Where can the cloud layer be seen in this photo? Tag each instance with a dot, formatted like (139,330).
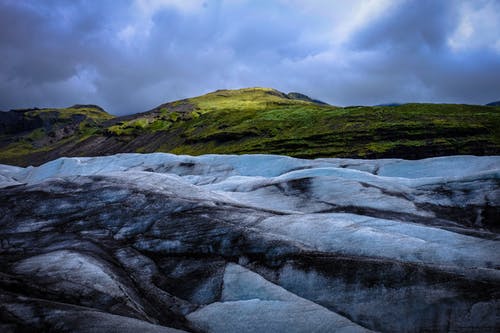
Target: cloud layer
(131,56)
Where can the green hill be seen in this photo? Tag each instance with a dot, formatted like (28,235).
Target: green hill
(260,120)
(26,136)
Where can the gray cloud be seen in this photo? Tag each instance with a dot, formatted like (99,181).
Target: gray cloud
(411,25)
(129,58)
(413,56)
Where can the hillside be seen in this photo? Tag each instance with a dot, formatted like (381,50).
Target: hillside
(255,120)
(34,132)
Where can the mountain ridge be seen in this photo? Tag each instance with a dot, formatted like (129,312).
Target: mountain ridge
(252,120)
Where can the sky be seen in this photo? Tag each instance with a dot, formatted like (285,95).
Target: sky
(129,56)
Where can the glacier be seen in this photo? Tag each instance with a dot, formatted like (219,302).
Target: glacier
(250,243)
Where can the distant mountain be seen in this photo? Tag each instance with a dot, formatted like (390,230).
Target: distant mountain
(252,120)
(497,103)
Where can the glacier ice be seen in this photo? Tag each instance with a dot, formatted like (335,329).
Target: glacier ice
(249,303)
(250,243)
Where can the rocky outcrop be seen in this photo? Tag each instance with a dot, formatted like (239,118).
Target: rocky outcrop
(302,97)
(251,243)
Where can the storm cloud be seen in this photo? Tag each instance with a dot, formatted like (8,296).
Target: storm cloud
(129,56)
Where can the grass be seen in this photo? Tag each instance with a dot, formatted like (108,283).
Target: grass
(314,130)
(262,120)
(90,112)
(140,126)
(80,123)
(248,99)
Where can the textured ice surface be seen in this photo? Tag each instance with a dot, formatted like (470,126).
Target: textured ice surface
(449,166)
(257,179)
(69,269)
(264,165)
(365,236)
(8,174)
(149,242)
(249,303)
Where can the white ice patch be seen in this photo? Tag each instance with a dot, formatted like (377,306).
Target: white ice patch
(250,303)
(448,166)
(7,181)
(268,166)
(68,271)
(10,175)
(364,236)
